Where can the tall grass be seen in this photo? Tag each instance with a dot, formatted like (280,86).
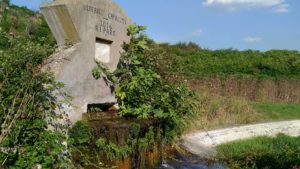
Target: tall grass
(214,111)
(260,90)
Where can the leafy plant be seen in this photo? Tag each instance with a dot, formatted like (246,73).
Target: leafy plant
(135,144)
(96,72)
(27,102)
(80,134)
(113,151)
(142,92)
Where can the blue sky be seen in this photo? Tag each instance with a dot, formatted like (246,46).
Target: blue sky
(215,24)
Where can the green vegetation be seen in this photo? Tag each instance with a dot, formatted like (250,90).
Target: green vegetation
(262,152)
(134,144)
(22,22)
(136,75)
(192,61)
(26,97)
(80,134)
(278,111)
(225,82)
(26,101)
(87,150)
(166,108)
(144,92)
(214,111)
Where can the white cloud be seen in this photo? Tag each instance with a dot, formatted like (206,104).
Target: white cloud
(277,5)
(198,32)
(283,8)
(251,39)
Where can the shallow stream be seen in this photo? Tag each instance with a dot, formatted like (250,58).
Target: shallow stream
(180,161)
(117,130)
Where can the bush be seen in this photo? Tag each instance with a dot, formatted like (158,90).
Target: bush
(143,93)
(136,75)
(80,134)
(192,61)
(4,41)
(26,103)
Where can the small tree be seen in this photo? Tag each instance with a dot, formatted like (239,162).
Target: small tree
(142,92)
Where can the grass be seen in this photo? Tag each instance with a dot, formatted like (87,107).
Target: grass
(278,111)
(213,111)
(282,152)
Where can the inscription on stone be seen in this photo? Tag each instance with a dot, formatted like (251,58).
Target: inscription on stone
(116,18)
(93,9)
(111,16)
(106,28)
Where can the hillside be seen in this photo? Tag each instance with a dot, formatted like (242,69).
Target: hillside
(22,22)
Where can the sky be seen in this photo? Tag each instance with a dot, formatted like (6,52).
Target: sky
(215,24)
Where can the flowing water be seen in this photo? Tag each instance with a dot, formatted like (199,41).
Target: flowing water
(189,161)
(117,130)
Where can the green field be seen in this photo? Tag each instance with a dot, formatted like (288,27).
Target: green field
(278,111)
(282,152)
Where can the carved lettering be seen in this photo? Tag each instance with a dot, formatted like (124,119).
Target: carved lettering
(110,16)
(116,18)
(94,10)
(106,28)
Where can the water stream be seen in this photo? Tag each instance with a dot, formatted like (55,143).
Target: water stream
(117,130)
(181,159)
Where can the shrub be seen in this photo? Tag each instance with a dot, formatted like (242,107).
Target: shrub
(192,61)
(80,134)
(4,41)
(141,91)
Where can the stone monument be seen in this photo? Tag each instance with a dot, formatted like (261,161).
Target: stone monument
(86,31)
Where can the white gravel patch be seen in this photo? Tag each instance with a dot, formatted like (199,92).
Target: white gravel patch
(202,143)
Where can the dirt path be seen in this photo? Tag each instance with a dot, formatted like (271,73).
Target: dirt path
(203,143)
